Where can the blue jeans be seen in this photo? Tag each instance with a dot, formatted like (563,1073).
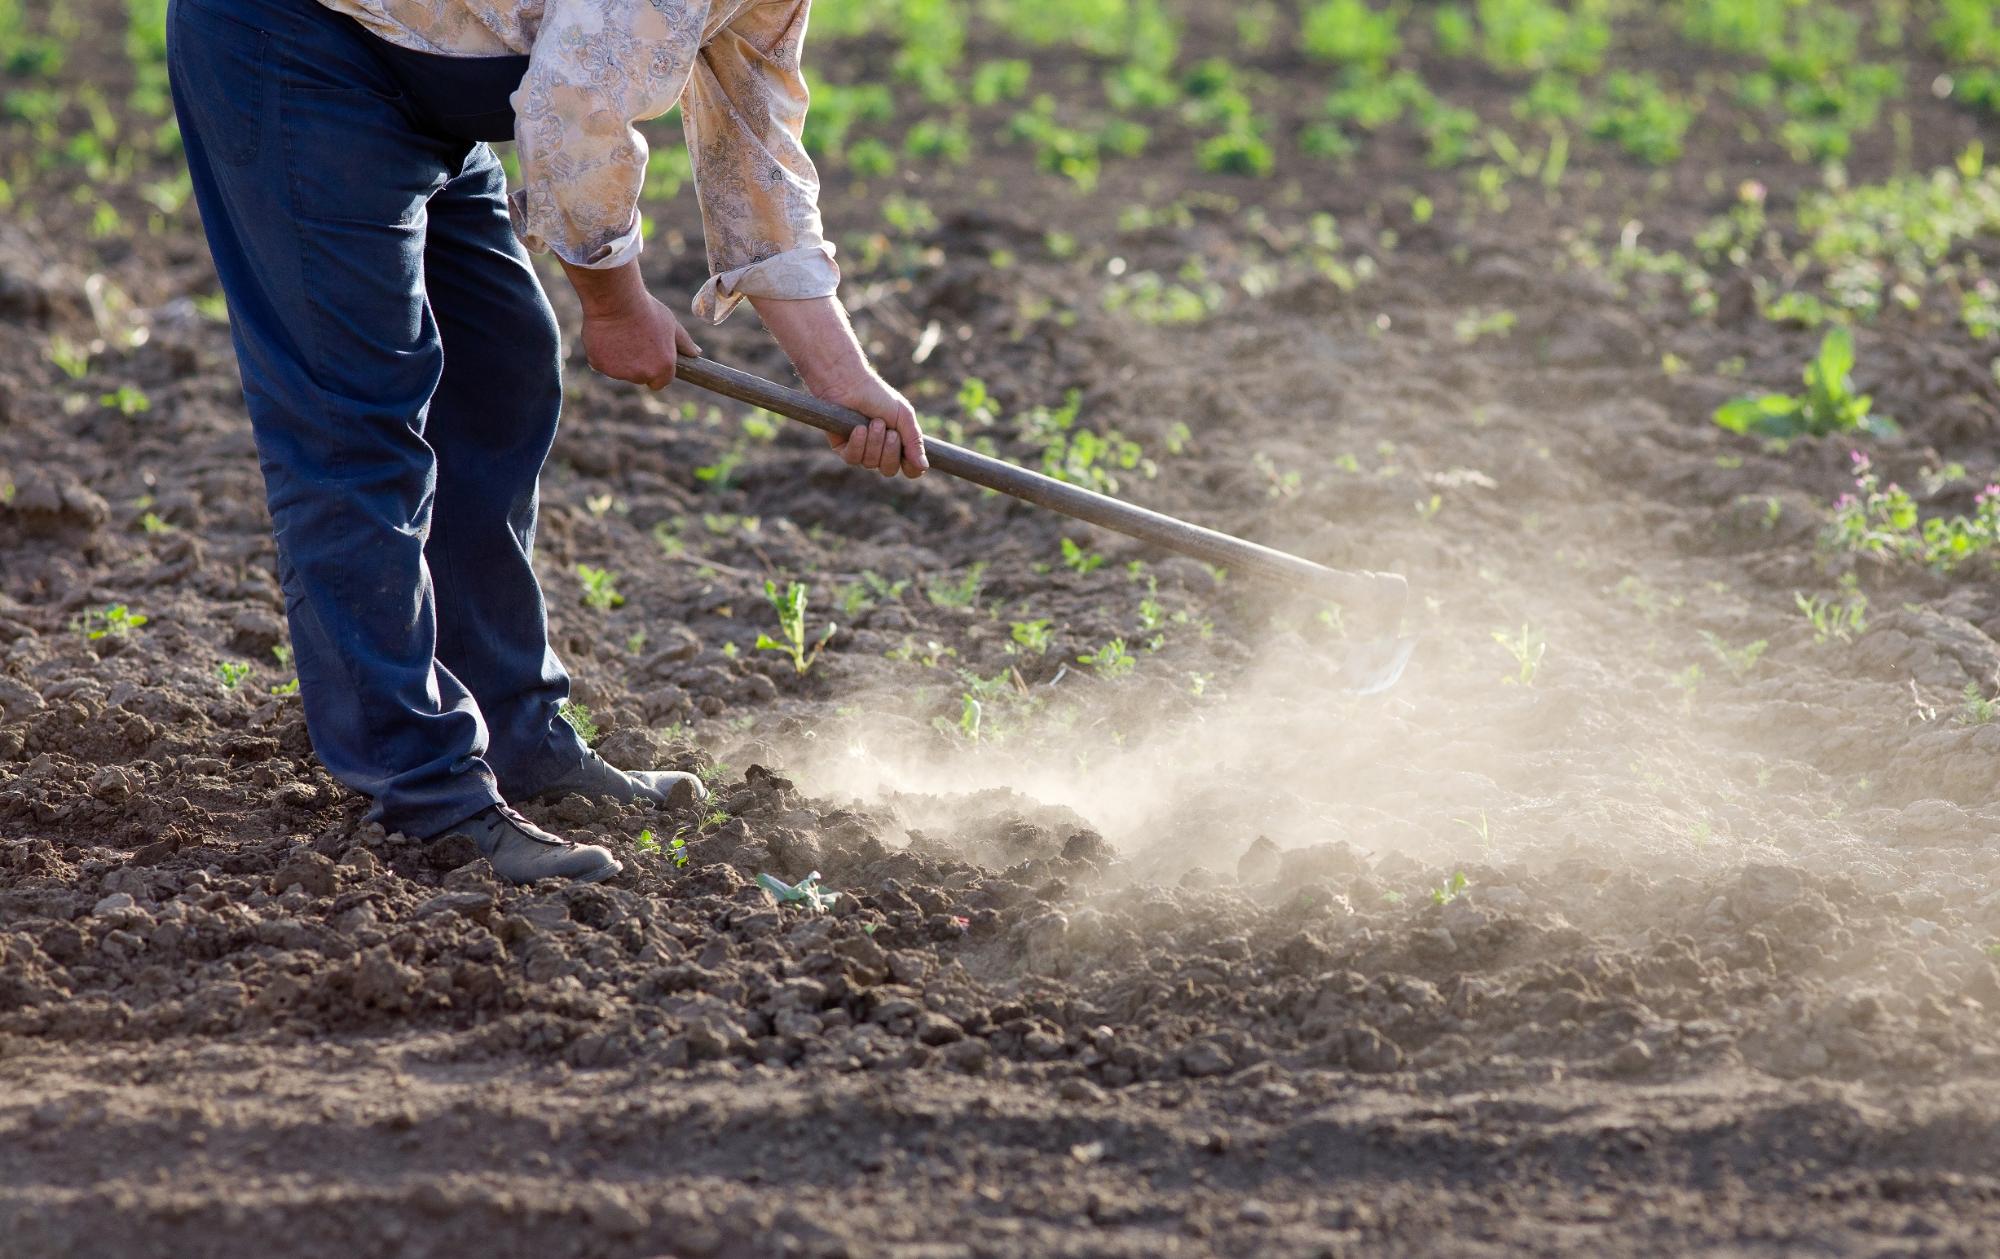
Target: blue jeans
(401,367)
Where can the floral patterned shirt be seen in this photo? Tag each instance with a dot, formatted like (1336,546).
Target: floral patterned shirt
(595,68)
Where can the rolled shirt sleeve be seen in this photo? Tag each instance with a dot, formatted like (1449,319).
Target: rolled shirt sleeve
(598,67)
(744,113)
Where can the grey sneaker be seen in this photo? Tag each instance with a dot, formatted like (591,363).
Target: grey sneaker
(598,779)
(522,852)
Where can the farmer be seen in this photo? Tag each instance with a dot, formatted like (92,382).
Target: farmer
(401,364)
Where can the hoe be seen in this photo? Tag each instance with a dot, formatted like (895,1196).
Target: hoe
(1367,668)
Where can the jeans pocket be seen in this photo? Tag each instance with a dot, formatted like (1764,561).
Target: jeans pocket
(220,68)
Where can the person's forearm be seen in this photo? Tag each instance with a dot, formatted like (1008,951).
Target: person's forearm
(607,292)
(815,335)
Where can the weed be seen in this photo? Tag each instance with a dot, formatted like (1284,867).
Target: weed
(232,673)
(1527,649)
(127,400)
(1875,519)
(1451,889)
(1111,660)
(1843,617)
(116,621)
(791,610)
(674,850)
(1829,404)
(600,590)
(1975,709)
(1078,560)
(154,526)
(287,690)
(1033,636)
(579,719)
(961,593)
(1738,660)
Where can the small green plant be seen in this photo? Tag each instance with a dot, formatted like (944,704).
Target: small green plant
(1111,660)
(962,593)
(1033,636)
(287,690)
(1974,708)
(116,621)
(1078,560)
(1450,890)
(1843,617)
(1829,404)
(1527,648)
(127,400)
(232,673)
(153,525)
(791,609)
(579,719)
(674,850)
(1738,660)
(600,588)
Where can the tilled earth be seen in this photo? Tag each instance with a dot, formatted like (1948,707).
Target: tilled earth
(1176,962)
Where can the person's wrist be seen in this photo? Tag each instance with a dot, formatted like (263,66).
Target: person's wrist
(616,293)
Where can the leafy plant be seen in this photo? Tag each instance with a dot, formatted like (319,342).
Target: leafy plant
(1451,889)
(1033,636)
(232,673)
(1738,660)
(1079,560)
(1829,404)
(600,589)
(1975,709)
(962,593)
(674,850)
(1843,617)
(1878,519)
(1527,648)
(791,609)
(1111,660)
(116,621)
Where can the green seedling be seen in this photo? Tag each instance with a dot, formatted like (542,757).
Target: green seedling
(1843,618)
(674,850)
(962,593)
(1450,890)
(127,400)
(1481,829)
(1527,648)
(153,525)
(635,642)
(232,673)
(600,589)
(117,621)
(1033,636)
(791,609)
(1829,404)
(1111,660)
(579,719)
(287,690)
(1078,560)
(1688,682)
(1975,709)
(1738,660)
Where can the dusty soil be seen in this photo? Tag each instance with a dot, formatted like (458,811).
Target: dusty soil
(1151,968)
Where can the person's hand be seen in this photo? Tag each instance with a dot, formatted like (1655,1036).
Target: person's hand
(641,344)
(628,334)
(891,442)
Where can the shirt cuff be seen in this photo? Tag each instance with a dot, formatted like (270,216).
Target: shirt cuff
(615,252)
(796,274)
